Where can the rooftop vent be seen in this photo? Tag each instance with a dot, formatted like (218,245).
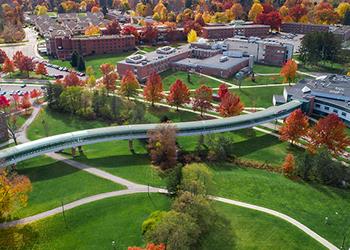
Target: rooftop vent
(305,89)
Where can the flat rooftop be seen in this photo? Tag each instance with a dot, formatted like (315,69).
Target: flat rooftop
(252,26)
(212,62)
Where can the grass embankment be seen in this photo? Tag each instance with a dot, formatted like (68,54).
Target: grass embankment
(32,75)
(119,219)
(55,182)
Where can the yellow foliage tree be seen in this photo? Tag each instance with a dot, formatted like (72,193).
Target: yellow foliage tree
(284,11)
(206,17)
(192,36)
(304,19)
(237,10)
(342,8)
(254,11)
(141,9)
(41,10)
(92,30)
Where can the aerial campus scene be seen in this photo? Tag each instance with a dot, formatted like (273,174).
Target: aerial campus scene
(174,124)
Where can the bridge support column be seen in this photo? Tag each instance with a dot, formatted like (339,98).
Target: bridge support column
(73,152)
(131,146)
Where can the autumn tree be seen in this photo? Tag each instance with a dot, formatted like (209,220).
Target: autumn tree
(149,33)
(4,103)
(129,85)
(35,94)
(3,56)
(295,126)
(179,94)
(40,69)
(330,132)
(288,164)
(25,102)
(92,30)
(113,28)
(8,66)
(150,246)
(130,30)
(110,76)
(153,91)
(203,97)
(162,146)
(192,36)
(14,191)
(95,9)
(272,18)
(71,79)
(342,9)
(223,89)
(289,71)
(237,10)
(23,63)
(230,105)
(255,10)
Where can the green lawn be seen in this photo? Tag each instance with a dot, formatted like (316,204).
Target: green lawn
(263,80)
(95,61)
(322,66)
(266,69)
(307,203)
(169,77)
(119,219)
(55,182)
(58,123)
(258,97)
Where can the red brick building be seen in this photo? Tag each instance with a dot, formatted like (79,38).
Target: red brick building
(303,28)
(62,47)
(227,31)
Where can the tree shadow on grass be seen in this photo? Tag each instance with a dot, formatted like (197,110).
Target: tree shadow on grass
(47,172)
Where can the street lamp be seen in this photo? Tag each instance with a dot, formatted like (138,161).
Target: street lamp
(114,245)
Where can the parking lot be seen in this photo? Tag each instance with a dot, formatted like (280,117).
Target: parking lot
(9,89)
(56,70)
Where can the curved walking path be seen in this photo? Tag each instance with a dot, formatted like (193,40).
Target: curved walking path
(133,188)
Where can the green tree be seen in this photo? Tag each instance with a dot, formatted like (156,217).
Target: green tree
(81,64)
(346,20)
(74,59)
(197,179)
(178,231)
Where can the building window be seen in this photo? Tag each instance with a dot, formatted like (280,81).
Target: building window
(335,111)
(326,108)
(318,106)
(343,113)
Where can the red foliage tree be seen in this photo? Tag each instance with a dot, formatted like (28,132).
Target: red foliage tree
(4,102)
(131,30)
(8,66)
(25,102)
(113,28)
(23,63)
(223,89)
(153,91)
(268,8)
(295,126)
(273,19)
(203,97)
(72,79)
(149,33)
(35,94)
(288,164)
(129,84)
(109,76)
(330,132)
(3,56)
(179,94)
(40,69)
(16,98)
(193,25)
(230,105)
(297,12)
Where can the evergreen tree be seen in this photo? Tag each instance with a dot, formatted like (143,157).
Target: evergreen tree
(346,20)
(81,64)
(74,59)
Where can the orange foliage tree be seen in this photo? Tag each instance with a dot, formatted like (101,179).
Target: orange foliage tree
(109,77)
(295,126)
(230,105)
(288,164)
(40,69)
(223,89)
(129,84)
(150,246)
(289,71)
(72,79)
(179,94)
(8,66)
(330,132)
(203,97)
(13,192)
(153,91)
